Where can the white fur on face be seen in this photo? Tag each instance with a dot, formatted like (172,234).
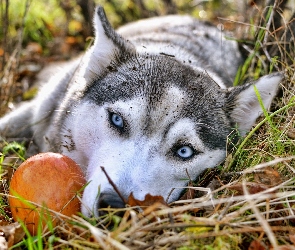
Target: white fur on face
(142,161)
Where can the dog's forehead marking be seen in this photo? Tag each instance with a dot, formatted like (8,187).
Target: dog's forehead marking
(163,111)
(152,116)
(186,130)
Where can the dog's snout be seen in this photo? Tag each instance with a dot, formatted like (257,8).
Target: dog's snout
(110,200)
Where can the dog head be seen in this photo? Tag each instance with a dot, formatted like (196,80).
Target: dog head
(151,121)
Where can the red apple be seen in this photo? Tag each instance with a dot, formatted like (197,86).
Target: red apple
(50,180)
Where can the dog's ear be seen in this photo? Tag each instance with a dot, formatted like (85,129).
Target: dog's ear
(108,48)
(243,103)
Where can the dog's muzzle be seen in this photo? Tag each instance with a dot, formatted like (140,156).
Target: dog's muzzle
(110,200)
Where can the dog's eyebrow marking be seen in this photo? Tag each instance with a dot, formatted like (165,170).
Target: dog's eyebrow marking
(167,129)
(165,54)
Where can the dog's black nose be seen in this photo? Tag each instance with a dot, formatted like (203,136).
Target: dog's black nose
(110,200)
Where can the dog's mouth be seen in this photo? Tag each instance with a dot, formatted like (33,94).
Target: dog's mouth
(114,198)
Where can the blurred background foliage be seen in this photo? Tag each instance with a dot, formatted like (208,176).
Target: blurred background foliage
(53,23)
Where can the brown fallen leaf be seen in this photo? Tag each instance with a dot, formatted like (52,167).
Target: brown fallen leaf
(148,200)
(291,133)
(190,192)
(268,176)
(13,233)
(150,204)
(252,187)
(256,245)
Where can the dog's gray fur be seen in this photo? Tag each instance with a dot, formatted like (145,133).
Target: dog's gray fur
(152,107)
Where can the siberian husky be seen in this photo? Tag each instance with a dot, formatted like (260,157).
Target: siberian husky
(151,102)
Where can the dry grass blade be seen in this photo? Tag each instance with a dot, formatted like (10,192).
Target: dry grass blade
(260,219)
(104,240)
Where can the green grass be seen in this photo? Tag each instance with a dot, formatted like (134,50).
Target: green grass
(273,140)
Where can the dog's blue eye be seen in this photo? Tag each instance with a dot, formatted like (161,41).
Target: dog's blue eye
(185,152)
(117,120)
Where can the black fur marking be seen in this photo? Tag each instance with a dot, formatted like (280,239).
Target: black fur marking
(165,54)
